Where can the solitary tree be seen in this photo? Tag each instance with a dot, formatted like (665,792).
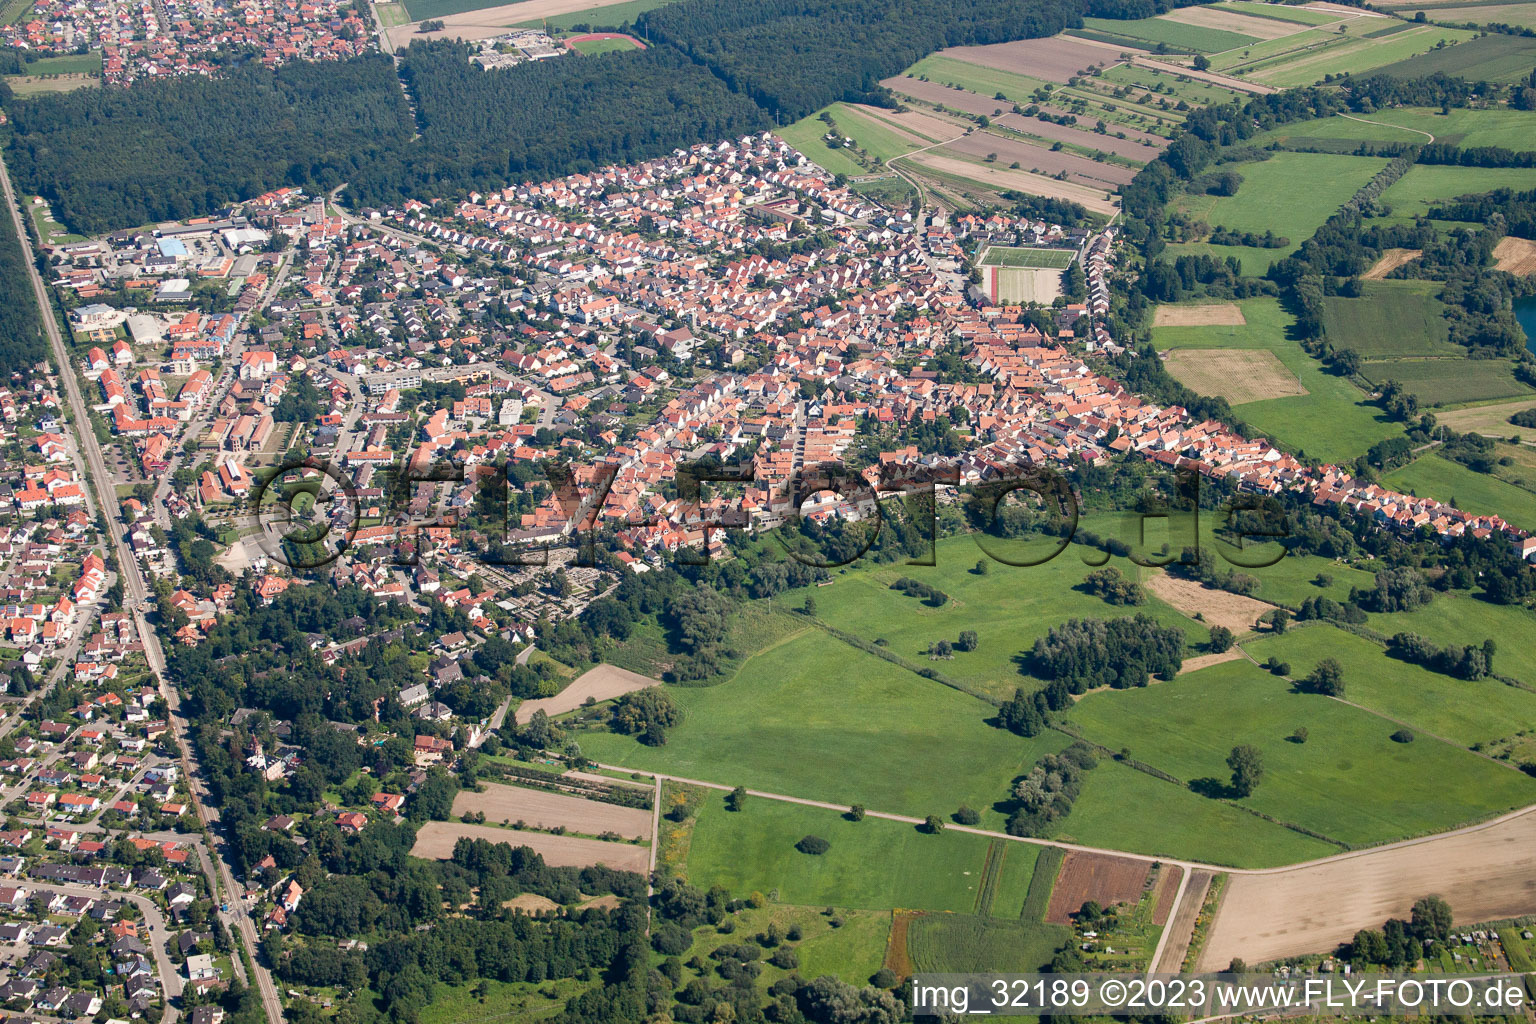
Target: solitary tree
(1221,639)
(1247,765)
(967,640)
(933,824)
(1327,679)
(736,799)
(856,812)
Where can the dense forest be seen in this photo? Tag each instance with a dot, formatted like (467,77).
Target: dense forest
(118,158)
(21,332)
(483,129)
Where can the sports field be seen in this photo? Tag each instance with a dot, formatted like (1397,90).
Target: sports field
(1334,420)
(1005,256)
(1349,781)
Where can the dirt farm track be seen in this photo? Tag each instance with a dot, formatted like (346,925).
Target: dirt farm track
(1485,872)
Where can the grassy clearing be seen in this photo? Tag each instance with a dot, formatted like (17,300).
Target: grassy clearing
(1391,319)
(1333,421)
(753,850)
(1149,32)
(1493,58)
(1460,710)
(1494,126)
(808,136)
(1125,809)
(1349,781)
(1449,381)
(522,1000)
(1291,194)
(851,949)
(1457,618)
(787,724)
(965,943)
(1008,607)
(1424,185)
(1436,477)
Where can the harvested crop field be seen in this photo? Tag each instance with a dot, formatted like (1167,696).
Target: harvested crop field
(436,838)
(493,21)
(1201,661)
(1390,261)
(1055,59)
(1001,178)
(543,809)
(1182,929)
(1167,888)
(1226,81)
(1238,375)
(530,903)
(915,123)
(1131,149)
(605,682)
(1094,876)
(1490,420)
(1217,607)
(1485,872)
(1231,21)
(1515,256)
(1213,314)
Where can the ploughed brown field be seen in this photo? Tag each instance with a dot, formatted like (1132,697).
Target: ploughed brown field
(1094,876)
(544,809)
(1053,60)
(436,838)
(1486,873)
(1038,158)
(1130,148)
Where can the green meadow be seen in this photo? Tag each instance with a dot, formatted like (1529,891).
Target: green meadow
(753,850)
(1460,710)
(814,717)
(1350,781)
(1008,607)
(1333,421)
(1291,194)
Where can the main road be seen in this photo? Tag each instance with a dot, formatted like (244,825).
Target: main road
(136,590)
